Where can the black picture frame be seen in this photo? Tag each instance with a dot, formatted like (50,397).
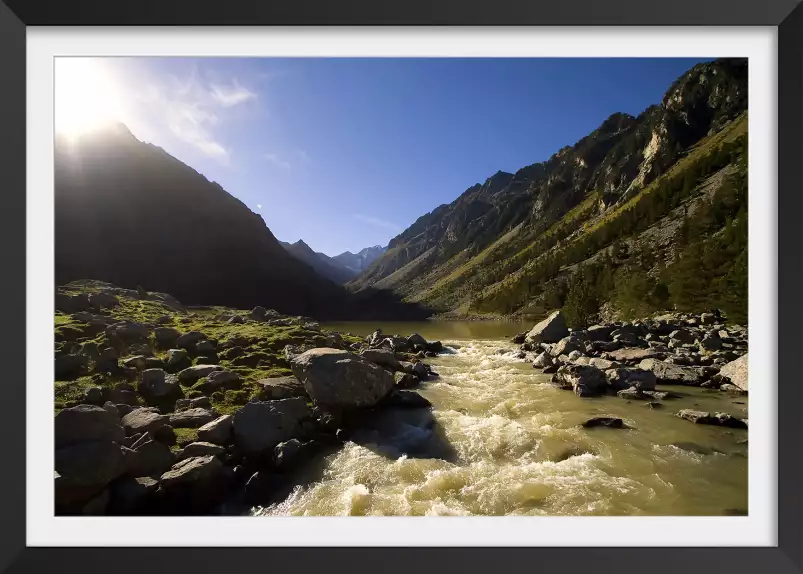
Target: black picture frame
(15,15)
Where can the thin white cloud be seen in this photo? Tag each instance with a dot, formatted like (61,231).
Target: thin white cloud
(277,160)
(192,109)
(228,96)
(375,221)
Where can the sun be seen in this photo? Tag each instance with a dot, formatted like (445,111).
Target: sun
(86,97)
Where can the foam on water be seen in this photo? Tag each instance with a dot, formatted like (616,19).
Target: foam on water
(518,449)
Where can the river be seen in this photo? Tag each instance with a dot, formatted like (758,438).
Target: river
(508,443)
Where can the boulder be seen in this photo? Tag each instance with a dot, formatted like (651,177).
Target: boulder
(259,313)
(420,370)
(604,346)
(668,374)
(633,394)
(633,354)
(435,347)
(259,426)
(736,372)
(156,383)
(189,340)
(382,357)
(192,418)
(166,336)
(276,388)
(149,458)
(194,484)
(200,449)
(406,380)
(177,360)
(191,374)
(575,355)
(196,403)
(138,362)
(145,419)
(87,423)
(339,378)
(406,399)
(550,330)
(711,342)
(682,336)
(603,364)
(128,331)
(542,360)
(600,332)
(567,345)
(706,418)
(641,379)
(586,381)
(218,380)
(416,340)
(131,495)
(609,422)
(217,431)
(70,366)
(90,466)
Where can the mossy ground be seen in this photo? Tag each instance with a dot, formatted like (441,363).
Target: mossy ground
(259,345)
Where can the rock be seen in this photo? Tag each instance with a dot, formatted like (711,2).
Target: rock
(259,313)
(128,331)
(707,318)
(602,364)
(655,405)
(550,370)
(200,449)
(632,394)
(149,458)
(196,403)
(406,399)
(131,495)
(711,343)
(217,431)
(166,336)
(276,388)
(731,389)
(566,346)
(661,395)
(706,418)
(550,330)
(435,347)
(156,383)
(633,354)
(138,362)
(519,339)
(89,467)
(575,355)
(205,348)
(406,380)
(586,381)
(667,374)
(726,420)
(543,360)
(420,370)
(339,378)
(218,380)
(682,336)
(736,372)
(189,340)
(191,374)
(192,418)
(609,422)
(416,340)
(177,360)
(604,346)
(145,419)
(600,332)
(86,423)
(383,358)
(70,366)
(93,396)
(259,426)
(197,483)
(620,379)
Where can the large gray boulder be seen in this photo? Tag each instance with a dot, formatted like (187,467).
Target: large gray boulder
(85,469)
(585,380)
(149,458)
(87,423)
(567,345)
(192,418)
(217,432)
(621,379)
(382,357)
(146,419)
(259,426)
(276,388)
(338,378)
(633,354)
(550,330)
(194,484)
(156,383)
(736,372)
(200,449)
(191,374)
(669,374)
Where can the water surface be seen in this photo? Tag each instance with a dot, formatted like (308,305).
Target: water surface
(505,442)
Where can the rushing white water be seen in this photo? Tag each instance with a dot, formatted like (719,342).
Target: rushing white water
(505,442)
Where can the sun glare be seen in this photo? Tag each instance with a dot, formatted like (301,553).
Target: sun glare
(85,96)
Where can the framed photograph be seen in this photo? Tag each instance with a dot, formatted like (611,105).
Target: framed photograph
(445,284)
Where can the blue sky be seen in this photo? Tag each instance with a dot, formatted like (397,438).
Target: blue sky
(347,153)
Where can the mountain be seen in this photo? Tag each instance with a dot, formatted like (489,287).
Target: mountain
(360,261)
(128,213)
(514,243)
(320,262)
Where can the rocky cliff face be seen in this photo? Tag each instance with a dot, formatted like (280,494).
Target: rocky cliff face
(595,176)
(129,213)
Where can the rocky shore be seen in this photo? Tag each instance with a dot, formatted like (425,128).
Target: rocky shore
(631,359)
(162,409)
